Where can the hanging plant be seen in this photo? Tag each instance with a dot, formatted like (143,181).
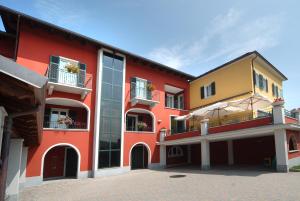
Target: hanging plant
(65,120)
(72,68)
(151,87)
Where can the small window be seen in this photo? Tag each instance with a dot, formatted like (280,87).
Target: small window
(170,101)
(293,144)
(208,91)
(175,151)
(261,82)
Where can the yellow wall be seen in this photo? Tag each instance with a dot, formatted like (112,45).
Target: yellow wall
(231,80)
(272,78)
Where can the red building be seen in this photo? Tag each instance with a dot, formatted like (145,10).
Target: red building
(108,111)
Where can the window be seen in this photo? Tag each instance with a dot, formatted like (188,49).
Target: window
(57,118)
(67,71)
(141,88)
(260,81)
(175,151)
(131,122)
(276,91)
(170,101)
(208,91)
(293,144)
(180,101)
(110,111)
(177,126)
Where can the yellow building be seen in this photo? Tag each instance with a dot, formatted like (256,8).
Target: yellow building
(239,78)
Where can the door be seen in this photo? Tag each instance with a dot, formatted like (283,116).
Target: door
(71,163)
(139,157)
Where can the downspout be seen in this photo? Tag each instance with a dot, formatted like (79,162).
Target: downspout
(252,67)
(6,143)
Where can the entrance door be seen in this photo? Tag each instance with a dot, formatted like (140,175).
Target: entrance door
(71,163)
(139,157)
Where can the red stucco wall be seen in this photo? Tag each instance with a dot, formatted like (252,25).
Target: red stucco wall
(35,48)
(159,79)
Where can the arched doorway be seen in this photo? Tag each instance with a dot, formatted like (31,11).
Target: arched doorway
(60,162)
(139,157)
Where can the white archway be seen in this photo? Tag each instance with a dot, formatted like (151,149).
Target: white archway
(148,149)
(70,102)
(143,111)
(57,145)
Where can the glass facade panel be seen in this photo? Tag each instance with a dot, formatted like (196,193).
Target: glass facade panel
(111,111)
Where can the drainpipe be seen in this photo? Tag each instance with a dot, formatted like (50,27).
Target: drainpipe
(252,67)
(6,143)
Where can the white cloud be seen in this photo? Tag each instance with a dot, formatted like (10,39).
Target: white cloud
(228,35)
(63,13)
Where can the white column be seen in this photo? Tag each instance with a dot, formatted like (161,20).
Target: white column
(278,112)
(230,152)
(163,148)
(281,150)
(13,169)
(23,167)
(205,155)
(163,156)
(204,126)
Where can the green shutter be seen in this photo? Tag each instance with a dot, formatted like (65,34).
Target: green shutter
(254,78)
(81,75)
(133,87)
(261,81)
(213,88)
(53,69)
(267,87)
(202,92)
(273,89)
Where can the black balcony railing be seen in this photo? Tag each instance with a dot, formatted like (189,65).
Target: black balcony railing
(58,125)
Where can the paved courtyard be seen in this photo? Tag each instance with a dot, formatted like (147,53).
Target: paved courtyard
(188,184)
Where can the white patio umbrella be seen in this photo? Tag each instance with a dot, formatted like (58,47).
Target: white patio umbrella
(254,103)
(216,110)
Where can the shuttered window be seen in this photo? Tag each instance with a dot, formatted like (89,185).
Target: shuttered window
(207,91)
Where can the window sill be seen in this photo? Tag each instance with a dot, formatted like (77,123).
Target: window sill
(293,151)
(142,132)
(171,108)
(66,129)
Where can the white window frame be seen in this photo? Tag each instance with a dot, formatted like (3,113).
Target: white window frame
(207,89)
(172,102)
(136,121)
(179,102)
(176,123)
(178,152)
(138,90)
(58,110)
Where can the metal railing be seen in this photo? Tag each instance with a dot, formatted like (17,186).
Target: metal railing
(57,125)
(240,117)
(288,113)
(80,79)
(174,131)
(138,92)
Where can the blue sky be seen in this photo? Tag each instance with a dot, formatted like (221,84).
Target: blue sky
(190,35)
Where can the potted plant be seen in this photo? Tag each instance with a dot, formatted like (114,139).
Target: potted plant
(141,125)
(72,68)
(151,87)
(65,120)
(278,101)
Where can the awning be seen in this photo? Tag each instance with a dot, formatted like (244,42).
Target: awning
(21,90)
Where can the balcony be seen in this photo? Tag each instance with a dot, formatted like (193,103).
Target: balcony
(139,121)
(65,114)
(142,94)
(64,81)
